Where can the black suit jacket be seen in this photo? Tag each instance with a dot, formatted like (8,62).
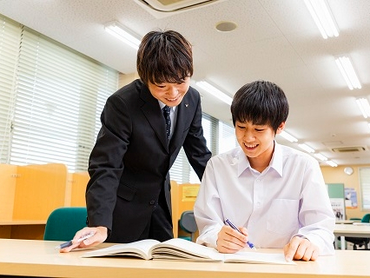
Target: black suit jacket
(130,161)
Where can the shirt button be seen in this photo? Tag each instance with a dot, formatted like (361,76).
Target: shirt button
(152,202)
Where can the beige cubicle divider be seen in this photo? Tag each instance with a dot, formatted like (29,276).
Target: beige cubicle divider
(78,185)
(28,195)
(39,190)
(183,198)
(8,179)
(174,207)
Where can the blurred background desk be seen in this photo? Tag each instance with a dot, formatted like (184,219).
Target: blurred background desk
(351,230)
(41,258)
(22,229)
(344,222)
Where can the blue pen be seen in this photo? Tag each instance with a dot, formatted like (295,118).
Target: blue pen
(69,243)
(229,223)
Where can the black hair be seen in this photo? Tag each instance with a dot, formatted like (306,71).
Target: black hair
(261,103)
(164,56)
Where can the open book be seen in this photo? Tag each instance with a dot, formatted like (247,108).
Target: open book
(181,249)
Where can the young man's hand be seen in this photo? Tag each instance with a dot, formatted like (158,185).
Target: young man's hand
(100,234)
(300,248)
(230,240)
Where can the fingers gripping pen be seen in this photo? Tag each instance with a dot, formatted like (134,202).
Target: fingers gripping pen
(69,243)
(229,223)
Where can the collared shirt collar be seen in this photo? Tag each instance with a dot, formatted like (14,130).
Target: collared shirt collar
(276,162)
(161,105)
(277,159)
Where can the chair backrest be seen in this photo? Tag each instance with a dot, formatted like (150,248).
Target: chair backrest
(366,218)
(64,222)
(188,224)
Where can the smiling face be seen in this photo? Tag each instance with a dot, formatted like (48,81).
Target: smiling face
(259,111)
(257,142)
(170,94)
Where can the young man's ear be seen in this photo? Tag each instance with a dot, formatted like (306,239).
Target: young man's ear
(280,128)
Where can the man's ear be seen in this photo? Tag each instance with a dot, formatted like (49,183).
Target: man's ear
(280,128)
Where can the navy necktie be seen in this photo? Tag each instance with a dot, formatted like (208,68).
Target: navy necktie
(166,115)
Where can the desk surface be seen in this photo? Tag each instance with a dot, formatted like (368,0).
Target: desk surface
(352,231)
(42,259)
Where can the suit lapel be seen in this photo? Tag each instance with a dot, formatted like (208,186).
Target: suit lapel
(153,114)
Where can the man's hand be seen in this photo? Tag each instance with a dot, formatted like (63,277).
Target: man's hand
(100,234)
(230,240)
(300,248)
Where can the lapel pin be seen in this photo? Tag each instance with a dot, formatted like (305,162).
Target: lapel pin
(186,105)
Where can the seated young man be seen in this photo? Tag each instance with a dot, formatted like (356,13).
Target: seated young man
(275,195)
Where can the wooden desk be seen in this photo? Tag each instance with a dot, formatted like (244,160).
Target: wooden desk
(344,230)
(344,222)
(42,259)
(22,229)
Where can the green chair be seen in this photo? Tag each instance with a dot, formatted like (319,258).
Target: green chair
(64,222)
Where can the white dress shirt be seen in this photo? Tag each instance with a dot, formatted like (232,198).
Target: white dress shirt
(288,198)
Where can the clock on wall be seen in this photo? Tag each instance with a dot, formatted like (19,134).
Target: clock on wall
(348,171)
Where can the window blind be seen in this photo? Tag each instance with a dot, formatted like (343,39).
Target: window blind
(226,137)
(210,127)
(365,187)
(10,34)
(181,171)
(59,97)
(52,100)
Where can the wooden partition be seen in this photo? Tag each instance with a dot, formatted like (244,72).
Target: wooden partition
(183,198)
(28,195)
(39,190)
(76,188)
(8,178)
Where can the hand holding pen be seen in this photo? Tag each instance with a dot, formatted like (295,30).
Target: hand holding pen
(85,238)
(70,242)
(230,224)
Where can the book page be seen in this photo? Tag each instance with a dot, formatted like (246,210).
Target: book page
(178,248)
(256,257)
(141,249)
(181,249)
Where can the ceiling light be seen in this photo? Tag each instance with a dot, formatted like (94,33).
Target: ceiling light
(322,16)
(306,148)
(123,33)
(364,106)
(331,163)
(214,91)
(320,157)
(346,69)
(288,137)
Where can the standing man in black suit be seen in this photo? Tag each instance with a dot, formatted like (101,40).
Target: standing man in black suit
(128,195)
